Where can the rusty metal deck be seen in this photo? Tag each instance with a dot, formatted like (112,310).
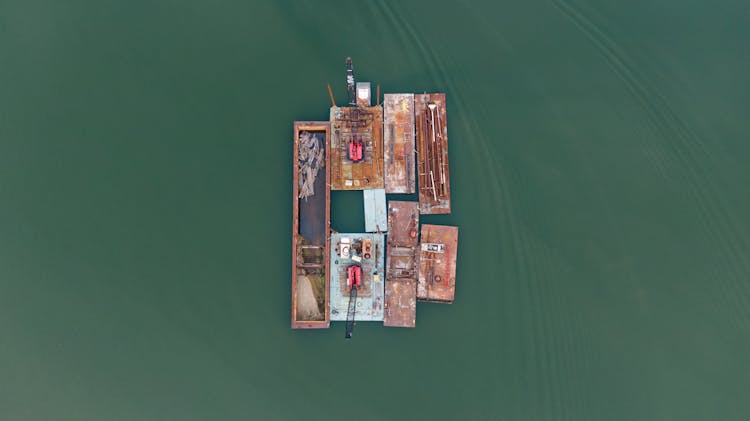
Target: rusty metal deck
(437,263)
(310,228)
(365,123)
(366,250)
(398,143)
(431,129)
(400,303)
(403,226)
(401,267)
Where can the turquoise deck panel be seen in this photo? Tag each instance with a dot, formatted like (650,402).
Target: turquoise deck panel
(376,217)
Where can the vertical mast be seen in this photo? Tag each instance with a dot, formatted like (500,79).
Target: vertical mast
(350,312)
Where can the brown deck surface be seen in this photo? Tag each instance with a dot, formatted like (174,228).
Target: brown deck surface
(365,123)
(437,268)
(400,303)
(401,268)
(398,142)
(403,226)
(432,153)
(310,265)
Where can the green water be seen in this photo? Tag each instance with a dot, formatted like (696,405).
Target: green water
(599,176)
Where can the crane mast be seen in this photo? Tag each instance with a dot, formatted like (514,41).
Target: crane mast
(353,280)
(350,88)
(350,312)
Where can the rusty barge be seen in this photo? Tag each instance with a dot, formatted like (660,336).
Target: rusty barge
(311,208)
(379,274)
(432,140)
(399,143)
(358,128)
(401,266)
(437,263)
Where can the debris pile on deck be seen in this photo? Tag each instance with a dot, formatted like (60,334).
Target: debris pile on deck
(311,160)
(400,147)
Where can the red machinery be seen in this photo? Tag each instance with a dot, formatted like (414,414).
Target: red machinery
(353,281)
(356,150)
(354,276)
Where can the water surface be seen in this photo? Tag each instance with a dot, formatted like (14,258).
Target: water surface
(599,178)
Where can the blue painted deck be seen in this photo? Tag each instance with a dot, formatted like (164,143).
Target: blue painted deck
(376,217)
(370,298)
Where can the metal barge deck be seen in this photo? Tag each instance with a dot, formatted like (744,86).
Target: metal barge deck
(401,265)
(310,225)
(400,147)
(354,124)
(432,150)
(375,217)
(367,251)
(398,142)
(437,263)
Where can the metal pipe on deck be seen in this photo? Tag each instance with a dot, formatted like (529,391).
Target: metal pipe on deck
(330,93)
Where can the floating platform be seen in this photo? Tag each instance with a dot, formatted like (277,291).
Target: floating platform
(366,250)
(310,225)
(431,129)
(357,124)
(398,142)
(397,147)
(437,263)
(375,217)
(401,265)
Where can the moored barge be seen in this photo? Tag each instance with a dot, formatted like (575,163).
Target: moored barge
(357,148)
(431,128)
(398,142)
(400,147)
(437,263)
(310,225)
(401,265)
(363,250)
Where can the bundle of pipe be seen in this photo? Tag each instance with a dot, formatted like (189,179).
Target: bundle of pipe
(311,158)
(437,151)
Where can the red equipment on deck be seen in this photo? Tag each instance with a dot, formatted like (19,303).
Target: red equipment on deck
(353,281)
(354,276)
(356,150)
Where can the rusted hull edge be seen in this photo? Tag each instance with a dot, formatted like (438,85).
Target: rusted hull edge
(297,240)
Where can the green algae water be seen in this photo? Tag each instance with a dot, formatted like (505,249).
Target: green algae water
(599,177)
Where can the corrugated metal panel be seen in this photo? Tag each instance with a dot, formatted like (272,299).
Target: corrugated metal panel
(375,210)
